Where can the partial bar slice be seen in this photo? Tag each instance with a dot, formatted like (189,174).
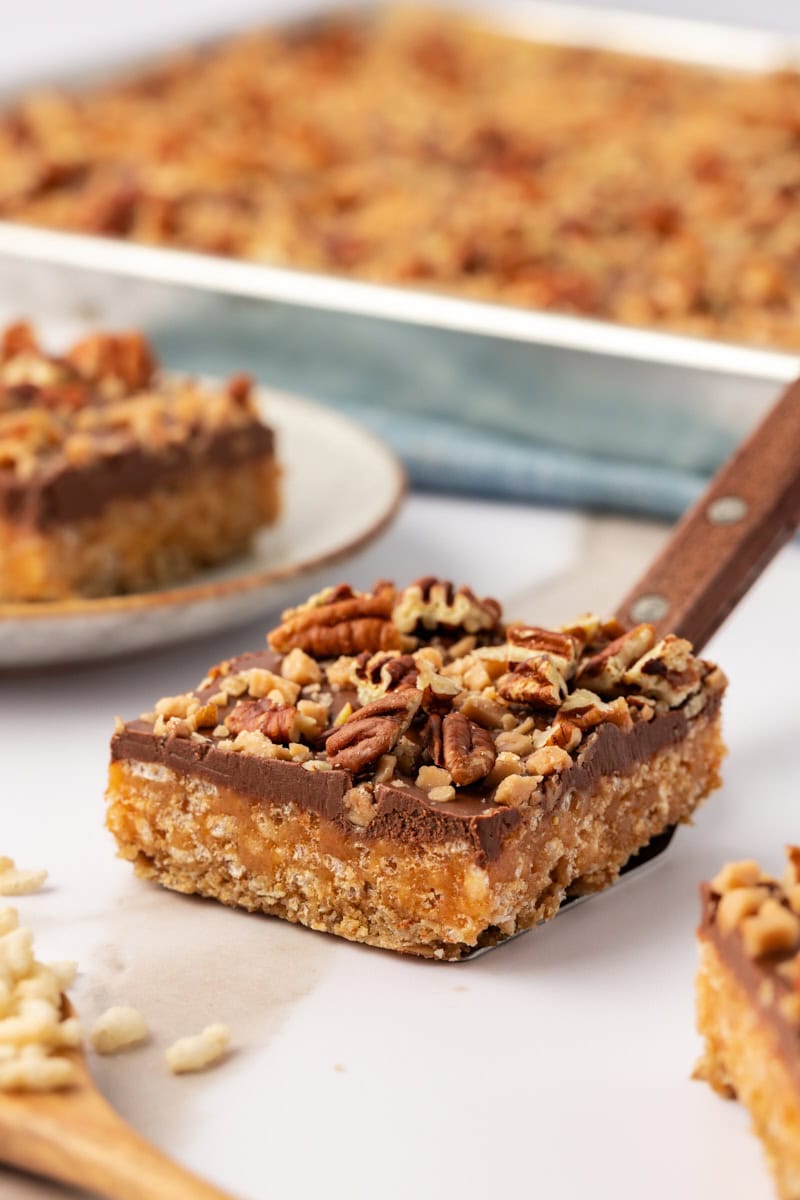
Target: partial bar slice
(114,478)
(748,1004)
(403,769)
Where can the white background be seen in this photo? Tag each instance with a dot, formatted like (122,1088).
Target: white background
(556,1066)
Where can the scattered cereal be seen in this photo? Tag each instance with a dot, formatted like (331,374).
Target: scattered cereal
(16,882)
(198,1051)
(118,1028)
(32,1022)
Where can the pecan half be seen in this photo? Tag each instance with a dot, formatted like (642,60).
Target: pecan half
(279,722)
(603,672)
(469,752)
(563,648)
(431,603)
(340,621)
(537,682)
(125,357)
(373,730)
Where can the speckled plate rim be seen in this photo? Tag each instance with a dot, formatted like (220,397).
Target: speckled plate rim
(184,596)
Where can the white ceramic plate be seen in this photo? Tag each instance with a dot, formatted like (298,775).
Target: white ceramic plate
(341,488)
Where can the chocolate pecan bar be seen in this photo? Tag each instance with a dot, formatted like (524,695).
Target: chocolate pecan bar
(114,478)
(405,769)
(748,1004)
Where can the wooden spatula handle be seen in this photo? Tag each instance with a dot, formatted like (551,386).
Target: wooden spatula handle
(749,510)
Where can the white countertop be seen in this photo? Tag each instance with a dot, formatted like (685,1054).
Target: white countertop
(558,1065)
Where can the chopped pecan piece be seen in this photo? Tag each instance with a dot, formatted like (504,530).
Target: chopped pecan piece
(547,761)
(537,682)
(562,733)
(563,648)
(468,749)
(668,672)
(373,730)
(340,621)
(377,674)
(603,672)
(431,603)
(359,804)
(432,739)
(586,709)
(124,357)
(279,722)
(737,904)
(586,628)
(773,929)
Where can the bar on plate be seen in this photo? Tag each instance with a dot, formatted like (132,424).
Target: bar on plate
(116,478)
(748,1004)
(403,768)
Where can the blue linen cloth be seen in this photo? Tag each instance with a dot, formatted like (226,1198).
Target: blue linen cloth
(465,414)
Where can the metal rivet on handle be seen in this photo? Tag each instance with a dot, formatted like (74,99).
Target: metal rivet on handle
(650,607)
(726,510)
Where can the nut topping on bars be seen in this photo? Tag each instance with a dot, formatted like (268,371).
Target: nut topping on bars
(586,709)
(668,672)
(603,672)
(761,910)
(537,682)
(340,621)
(278,722)
(354,691)
(658,218)
(432,603)
(123,360)
(563,648)
(468,749)
(373,730)
(100,400)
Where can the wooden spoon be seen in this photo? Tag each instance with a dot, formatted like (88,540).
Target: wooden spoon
(74,1136)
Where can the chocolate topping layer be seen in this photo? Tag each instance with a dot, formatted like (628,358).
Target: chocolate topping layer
(403,812)
(751,974)
(66,493)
